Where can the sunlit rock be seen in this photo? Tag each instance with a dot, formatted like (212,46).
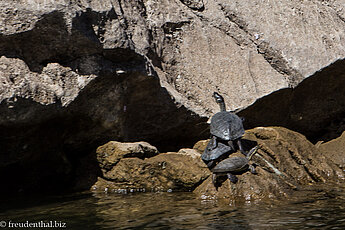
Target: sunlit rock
(334,151)
(181,171)
(285,160)
(110,154)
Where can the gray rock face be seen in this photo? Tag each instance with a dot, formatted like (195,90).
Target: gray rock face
(75,74)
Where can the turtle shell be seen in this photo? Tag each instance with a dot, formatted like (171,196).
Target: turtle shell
(232,164)
(226,126)
(210,154)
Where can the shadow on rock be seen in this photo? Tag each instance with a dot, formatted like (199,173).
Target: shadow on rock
(315,108)
(95,94)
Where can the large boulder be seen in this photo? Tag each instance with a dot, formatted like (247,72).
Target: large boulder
(111,153)
(285,161)
(130,167)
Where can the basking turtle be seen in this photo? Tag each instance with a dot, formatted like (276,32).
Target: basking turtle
(210,154)
(226,126)
(233,164)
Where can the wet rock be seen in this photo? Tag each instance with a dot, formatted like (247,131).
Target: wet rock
(284,161)
(165,172)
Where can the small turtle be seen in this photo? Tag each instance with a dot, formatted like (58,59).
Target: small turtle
(211,155)
(226,126)
(233,164)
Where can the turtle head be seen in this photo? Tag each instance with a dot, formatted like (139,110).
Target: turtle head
(252,152)
(218,97)
(219,100)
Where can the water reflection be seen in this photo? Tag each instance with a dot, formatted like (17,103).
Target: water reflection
(317,208)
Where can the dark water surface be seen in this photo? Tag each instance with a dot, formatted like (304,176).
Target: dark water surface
(321,207)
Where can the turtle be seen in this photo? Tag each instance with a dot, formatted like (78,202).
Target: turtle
(234,164)
(226,126)
(212,155)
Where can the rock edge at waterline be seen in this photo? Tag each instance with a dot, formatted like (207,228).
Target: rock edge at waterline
(284,161)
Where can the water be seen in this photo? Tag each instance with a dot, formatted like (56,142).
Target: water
(311,208)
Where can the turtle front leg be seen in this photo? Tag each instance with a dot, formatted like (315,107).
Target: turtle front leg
(232,178)
(213,143)
(239,143)
(231,145)
(214,179)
